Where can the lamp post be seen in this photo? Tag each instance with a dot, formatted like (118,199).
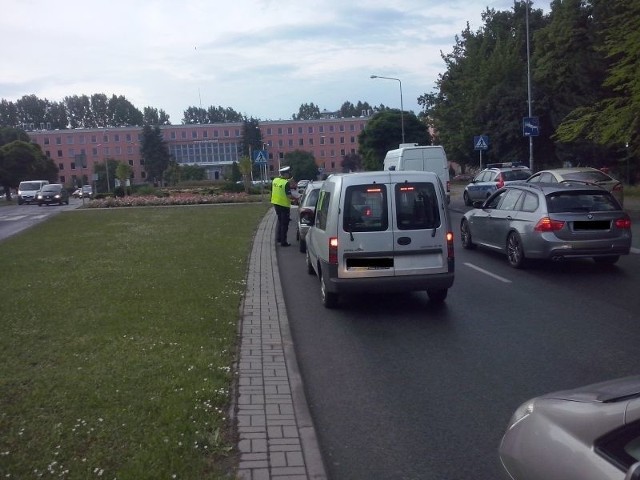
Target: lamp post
(526,14)
(401,105)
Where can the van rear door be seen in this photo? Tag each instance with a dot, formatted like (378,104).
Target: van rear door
(365,243)
(421,226)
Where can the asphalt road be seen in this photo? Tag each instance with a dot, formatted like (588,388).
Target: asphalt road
(401,389)
(15,218)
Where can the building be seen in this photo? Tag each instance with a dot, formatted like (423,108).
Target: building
(212,146)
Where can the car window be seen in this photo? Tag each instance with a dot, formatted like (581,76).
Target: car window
(581,202)
(622,446)
(513,175)
(311,197)
(417,206)
(495,199)
(480,177)
(589,176)
(365,208)
(509,200)
(322,210)
(529,202)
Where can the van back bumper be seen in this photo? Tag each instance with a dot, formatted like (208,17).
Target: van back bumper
(403,283)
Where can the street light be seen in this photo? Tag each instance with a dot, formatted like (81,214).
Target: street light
(401,105)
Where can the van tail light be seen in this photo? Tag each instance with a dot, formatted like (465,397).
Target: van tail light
(448,186)
(548,225)
(450,254)
(500,181)
(333,251)
(623,223)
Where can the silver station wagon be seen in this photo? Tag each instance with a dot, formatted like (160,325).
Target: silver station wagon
(549,221)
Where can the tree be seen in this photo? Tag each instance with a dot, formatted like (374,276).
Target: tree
(352,162)
(303,165)
(348,109)
(307,111)
(244,165)
(383,133)
(154,153)
(123,174)
(153,116)
(20,160)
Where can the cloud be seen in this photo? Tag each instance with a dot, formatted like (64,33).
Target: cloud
(263,58)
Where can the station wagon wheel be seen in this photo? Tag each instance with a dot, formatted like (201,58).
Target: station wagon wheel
(465,235)
(467,200)
(310,269)
(329,299)
(515,252)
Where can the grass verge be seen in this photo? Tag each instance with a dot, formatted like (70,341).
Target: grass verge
(118,335)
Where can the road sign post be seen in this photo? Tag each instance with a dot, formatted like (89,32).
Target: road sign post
(481,142)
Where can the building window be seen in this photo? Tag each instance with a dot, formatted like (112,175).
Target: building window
(46,140)
(129,149)
(94,151)
(128,137)
(131,162)
(352,128)
(205,134)
(353,139)
(194,134)
(341,139)
(299,130)
(105,138)
(59,153)
(216,134)
(269,131)
(321,129)
(48,154)
(184,134)
(281,143)
(118,150)
(300,142)
(173,135)
(332,140)
(81,139)
(226,133)
(61,166)
(238,135)
(290,130)
(73,165)
(279,130)
(116,138)
(310,129)
(94,139)
(69,139)
(321,140)
(58,140)
(343,152)
(311,141)
(291,142)
(62,179)
(331,128)
(342,128)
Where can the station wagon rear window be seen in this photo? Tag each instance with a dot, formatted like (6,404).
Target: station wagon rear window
(578,201)
(365,208)
(417,206)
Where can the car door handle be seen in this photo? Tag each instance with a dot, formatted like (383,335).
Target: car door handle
(404,241)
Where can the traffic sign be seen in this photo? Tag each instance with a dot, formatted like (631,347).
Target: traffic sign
(260,157)
(481,142)
(530,126)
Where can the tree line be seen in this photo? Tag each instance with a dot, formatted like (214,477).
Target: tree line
(584,63)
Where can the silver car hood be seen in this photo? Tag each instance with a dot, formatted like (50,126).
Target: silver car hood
(616,390)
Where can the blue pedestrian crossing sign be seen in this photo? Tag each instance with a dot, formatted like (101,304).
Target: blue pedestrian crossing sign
(481,142)
(260,157)
(530,126)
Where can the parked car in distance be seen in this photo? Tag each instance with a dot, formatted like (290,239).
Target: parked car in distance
(582,174)
(305,212)
(52,193)
(489,180)
(586,433)
(549,221)
(28,190)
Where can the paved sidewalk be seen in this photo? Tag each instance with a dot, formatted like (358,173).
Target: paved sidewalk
(277,439)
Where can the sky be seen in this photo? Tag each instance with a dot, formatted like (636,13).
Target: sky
(263,58)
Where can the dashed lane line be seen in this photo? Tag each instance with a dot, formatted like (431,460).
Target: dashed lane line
(486,272)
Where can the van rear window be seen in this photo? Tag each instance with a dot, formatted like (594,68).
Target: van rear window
(417,206)
(365,208)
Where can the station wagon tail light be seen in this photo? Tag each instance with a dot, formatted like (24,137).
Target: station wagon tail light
(333,250)
(548,225)
(623,223)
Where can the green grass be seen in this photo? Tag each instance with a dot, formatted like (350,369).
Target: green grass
(118,333)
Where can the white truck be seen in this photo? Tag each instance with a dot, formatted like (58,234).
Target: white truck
(411,156)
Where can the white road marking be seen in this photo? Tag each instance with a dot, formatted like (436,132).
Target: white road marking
(635,250)
(486,272)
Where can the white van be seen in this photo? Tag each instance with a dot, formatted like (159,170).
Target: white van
(411,156)
(381,232)
(28,190)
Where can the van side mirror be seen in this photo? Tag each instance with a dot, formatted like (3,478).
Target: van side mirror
(634,472)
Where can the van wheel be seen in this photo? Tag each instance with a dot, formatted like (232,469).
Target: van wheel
(329,299)
(310,269)
(465,235)
(437,295)
(515,251)
(467,200)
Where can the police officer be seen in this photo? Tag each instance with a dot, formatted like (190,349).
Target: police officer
(281,197)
